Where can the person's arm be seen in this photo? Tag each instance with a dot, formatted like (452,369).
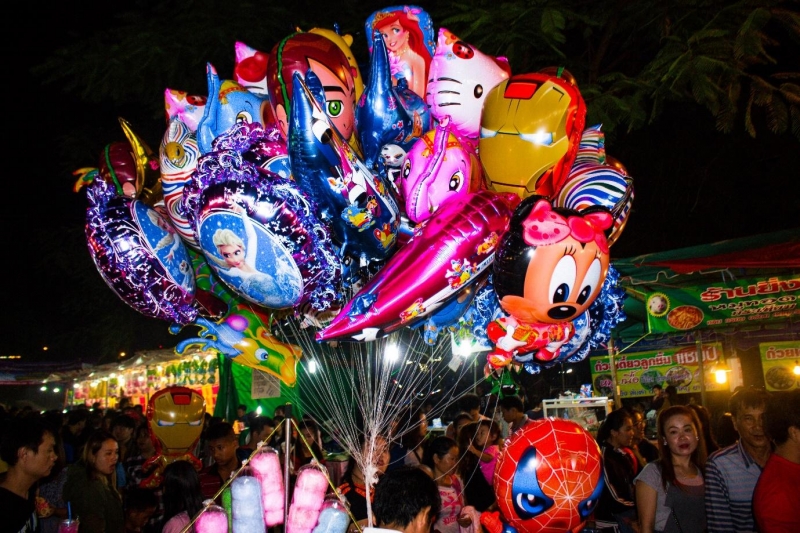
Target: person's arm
(717,501)
(483,456)
(646,499)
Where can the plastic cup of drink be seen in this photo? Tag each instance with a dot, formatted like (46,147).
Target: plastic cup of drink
(68,526)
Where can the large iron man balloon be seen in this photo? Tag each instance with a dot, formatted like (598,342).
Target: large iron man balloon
(548,479)
(175,416)
(531,128)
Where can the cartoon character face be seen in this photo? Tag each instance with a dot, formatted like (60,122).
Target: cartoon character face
(392,155)
(297,54)
(531,126)
(657,304)
(550,265)
(394,35)
(438,169)
(175,416)
(549,477)
(460,78)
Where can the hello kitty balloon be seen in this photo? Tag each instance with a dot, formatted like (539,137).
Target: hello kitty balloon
(460,78)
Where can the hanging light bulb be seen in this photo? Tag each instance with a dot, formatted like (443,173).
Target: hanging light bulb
(392,353)
(721,372)
(796,369)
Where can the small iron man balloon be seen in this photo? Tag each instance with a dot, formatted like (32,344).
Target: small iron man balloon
(549,267)
(547,479)
(531,127)
(175,416)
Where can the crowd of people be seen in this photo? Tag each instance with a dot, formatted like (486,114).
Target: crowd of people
(90,463)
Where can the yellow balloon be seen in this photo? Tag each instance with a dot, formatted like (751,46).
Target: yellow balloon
(344,42)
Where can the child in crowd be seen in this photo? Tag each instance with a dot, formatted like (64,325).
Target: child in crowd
(487,446)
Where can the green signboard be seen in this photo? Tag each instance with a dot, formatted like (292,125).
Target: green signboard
(637,373)
(778,361)
(724,304)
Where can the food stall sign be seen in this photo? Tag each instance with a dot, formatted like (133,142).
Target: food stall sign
(724,304)
(637,373)
(778,360)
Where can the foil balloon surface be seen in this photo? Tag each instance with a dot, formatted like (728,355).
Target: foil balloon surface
(548,479)
(250,69)
(437,170)
(531,127)
(344,42)
(178,156)
(139,255)
(187,108)
(386,114)
(447,253)
(258,231)
(460,78)
(356,203)
(228,103)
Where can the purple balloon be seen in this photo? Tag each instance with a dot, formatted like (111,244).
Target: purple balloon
(448,252)
(139,255)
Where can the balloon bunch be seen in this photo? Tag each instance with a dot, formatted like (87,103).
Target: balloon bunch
(442,193)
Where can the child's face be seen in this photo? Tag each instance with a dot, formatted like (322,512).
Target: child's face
(232,254)
(482,436)
(137,518)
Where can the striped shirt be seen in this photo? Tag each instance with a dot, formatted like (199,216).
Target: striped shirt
(731,476)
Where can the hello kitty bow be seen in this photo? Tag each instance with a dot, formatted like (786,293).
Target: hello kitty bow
(543,226)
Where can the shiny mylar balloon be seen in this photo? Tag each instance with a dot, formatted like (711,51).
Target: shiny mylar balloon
(547,480)
(139,255)
(178,156)
(187,108)
(355,202)
(550,267)
(250,70)
(228,103)
(531,126)
(437,170)
(258,231)
(344,42)
(448,315)
(447,253)
(244,336)
(388,115)
(461,76)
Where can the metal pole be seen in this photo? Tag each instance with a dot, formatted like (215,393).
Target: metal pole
(287,439)
(613,365)
(699,344)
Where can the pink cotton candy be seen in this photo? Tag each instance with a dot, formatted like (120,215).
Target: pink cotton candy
(307,499)
(267,467)
(212,521)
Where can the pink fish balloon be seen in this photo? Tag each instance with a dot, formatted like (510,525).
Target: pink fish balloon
(449,251)
(438,169)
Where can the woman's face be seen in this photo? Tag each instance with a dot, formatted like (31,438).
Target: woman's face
(624,435)
(681,435)
(482,436)
(107,456)
(232,254)
(447,462)
(638,426)
(423,425)
(395,36)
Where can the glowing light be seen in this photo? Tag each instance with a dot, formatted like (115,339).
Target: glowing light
(258,410)
(721,376)
(43,388)
(312,367)
(56,389)
(796,368)
(76,385)
(392,353)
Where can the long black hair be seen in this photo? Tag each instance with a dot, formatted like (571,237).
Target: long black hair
(181,490)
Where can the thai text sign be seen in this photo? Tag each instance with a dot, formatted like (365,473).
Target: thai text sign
(637,373)
(723,304)
(778,360)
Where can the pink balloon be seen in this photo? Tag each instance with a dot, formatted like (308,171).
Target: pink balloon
(437,170)
(447,252)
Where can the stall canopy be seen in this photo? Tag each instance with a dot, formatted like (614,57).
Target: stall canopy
(744,284)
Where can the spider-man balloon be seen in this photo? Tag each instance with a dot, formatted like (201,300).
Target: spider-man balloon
(548,479)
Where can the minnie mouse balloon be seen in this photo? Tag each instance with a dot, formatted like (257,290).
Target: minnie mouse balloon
(549,268)
(548,479)
(258,231)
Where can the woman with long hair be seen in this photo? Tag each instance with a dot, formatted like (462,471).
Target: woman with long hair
(617,502)
(183,498)
(413,423)
(91,486)
(478,492)
(440,461)
(409,58)
(670,491)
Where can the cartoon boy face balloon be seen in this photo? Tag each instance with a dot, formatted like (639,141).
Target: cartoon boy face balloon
(551,263)
(298,53)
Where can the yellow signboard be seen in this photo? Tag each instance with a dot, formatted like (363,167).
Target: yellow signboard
(637,373)
(778,361)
